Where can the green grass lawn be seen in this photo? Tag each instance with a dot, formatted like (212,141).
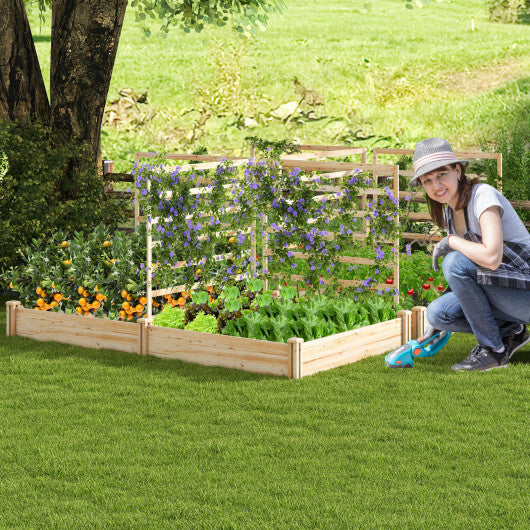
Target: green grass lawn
(388,75)
(97,438)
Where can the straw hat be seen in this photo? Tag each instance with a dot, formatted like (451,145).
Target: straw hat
(430,154)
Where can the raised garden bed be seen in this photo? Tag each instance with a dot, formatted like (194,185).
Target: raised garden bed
(294,359)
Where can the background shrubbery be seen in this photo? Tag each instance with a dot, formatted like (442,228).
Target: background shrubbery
(38,198)
(508,11)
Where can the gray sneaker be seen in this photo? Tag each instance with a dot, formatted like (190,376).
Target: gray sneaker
(513,343)
(479,360)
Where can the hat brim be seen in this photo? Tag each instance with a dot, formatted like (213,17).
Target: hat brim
(427,168)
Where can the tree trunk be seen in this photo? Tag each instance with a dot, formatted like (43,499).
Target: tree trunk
(22,91)
(85,37)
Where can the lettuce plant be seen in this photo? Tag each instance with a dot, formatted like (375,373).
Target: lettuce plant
(170,317)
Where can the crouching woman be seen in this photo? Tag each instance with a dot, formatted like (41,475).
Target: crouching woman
(486,259)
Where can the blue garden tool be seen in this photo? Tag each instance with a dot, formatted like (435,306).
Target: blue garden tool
(403,357)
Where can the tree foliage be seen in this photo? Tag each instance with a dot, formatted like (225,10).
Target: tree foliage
(245,16)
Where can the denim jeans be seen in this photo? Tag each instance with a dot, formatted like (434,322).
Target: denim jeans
(491,313)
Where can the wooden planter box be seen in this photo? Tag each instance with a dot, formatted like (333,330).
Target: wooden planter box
(294,359)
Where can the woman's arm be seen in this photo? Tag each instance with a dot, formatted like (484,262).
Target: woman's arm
(487,254)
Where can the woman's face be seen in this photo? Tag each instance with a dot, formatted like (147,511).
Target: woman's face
(441,184)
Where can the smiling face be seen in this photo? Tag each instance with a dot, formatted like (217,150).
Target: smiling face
(441,184)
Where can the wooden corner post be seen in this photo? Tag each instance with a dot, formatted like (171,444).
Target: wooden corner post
(406,318)
(143,338)
(419,321)
(295,367)
(11,313)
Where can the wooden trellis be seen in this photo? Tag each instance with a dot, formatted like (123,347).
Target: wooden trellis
(331,170)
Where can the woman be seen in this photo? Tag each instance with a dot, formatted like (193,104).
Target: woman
(486,263)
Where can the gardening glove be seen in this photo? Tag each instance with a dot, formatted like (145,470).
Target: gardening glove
(441,249)
(429,332)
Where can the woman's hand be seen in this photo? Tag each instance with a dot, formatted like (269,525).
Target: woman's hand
(441,249)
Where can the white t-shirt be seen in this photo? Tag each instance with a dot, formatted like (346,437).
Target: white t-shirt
(484,196)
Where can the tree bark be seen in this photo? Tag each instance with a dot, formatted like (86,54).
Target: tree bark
(22,91)
(85,37)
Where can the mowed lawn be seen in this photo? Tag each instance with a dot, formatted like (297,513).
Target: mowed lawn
(387,76)
(103,439)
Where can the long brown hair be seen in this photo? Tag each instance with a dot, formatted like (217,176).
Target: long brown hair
(465,187)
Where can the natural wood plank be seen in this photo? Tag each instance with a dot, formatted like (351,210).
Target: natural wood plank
(219,350)
(338,351)
(326,165)
(77,330)
(183,156)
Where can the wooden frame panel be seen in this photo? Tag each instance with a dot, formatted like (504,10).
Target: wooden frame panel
(218,350)
(77,330)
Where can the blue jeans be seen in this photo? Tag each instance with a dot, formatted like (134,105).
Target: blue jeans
(491,313)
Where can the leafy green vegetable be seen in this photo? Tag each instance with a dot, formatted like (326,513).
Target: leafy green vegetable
(203,323)
(170,317)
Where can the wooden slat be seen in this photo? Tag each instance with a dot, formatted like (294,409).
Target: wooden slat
(77,330)
(344,283)
(180,288)
(426,238)
(458,154)
(219,350)
(351,346)
(325,165)
(342,259)
(119,177)
(355,150)
(184,156)
(321,153)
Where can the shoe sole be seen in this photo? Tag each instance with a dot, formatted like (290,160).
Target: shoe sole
(477,369)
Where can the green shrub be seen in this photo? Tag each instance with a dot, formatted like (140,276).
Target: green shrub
(99,266)
(514,144)
(507,11)
(38,197)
